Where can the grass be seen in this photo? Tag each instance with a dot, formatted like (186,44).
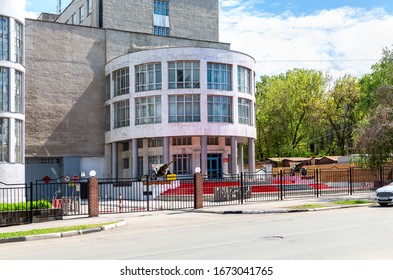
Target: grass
(351,202)
(49,230)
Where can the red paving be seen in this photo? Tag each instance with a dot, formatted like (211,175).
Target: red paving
(208,187)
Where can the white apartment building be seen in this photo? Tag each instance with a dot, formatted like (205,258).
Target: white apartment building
(12,73)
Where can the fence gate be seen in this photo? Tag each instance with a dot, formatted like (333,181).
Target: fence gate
(143,194)
(68,198)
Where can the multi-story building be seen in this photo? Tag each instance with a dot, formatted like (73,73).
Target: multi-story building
(117,85)
(12,73)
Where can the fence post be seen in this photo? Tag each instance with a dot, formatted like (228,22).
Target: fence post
(93,197)
(350,181)
(31,203)
(198,191)
(281,190)
(147,193)
(317,179)
(241,187)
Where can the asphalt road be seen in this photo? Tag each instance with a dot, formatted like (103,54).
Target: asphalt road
(363,233)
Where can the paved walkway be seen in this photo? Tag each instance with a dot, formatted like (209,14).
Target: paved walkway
(121,219)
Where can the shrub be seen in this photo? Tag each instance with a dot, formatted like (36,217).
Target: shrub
(22,206)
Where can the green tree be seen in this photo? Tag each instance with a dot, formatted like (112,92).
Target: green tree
(285,112)
(375,132)
(339,111)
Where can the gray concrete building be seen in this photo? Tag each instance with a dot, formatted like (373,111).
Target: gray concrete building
(116,85)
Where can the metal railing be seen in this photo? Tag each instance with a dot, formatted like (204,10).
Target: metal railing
(143,194)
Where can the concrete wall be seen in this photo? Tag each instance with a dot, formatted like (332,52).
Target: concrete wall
(198,20)
(120,43)
(65,90)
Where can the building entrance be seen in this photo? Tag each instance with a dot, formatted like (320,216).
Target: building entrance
(214,165)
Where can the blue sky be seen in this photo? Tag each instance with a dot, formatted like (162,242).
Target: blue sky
(337,37)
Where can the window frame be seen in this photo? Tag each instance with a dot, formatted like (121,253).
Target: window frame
(4,38)
(179,73)
(121,113)
(244,79)
(4,139)
(147,112)
(19,98)
(184,103)
(182,164)
(244,111)
(121,81)
(148,79)
(18,42)
(219,108)
(219,76)
(5,75)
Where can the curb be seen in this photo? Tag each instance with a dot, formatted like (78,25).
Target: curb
(279,211)
(62,234)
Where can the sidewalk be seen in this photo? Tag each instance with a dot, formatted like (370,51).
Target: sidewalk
(121,219)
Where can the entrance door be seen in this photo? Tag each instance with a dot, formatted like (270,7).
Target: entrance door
(214,165)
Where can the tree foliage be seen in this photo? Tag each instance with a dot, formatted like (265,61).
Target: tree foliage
(285,111)
(375,132)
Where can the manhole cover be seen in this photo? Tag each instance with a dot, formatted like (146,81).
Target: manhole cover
(271,237)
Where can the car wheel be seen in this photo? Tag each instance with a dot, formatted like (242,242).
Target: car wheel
(383,204)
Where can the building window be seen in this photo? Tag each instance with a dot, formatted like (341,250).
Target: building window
(73,19)
(244,79)
(184,108)
(139,143)
(121,81)
(228,141)
(219,108)
(182,164)
(18,92)
(108,118)
(161,8)
(155,142)
(219,76)
(89,6)
(108,87)
(182,141)
(212,141)
(244,111)
(122,113)
(163,31)
(148,110)
(148,77)
(4,88)
(161,18)
(4,38)
(184,74)
(18,141)
(4,139)
(126,163)
(81,14)
(126,146)
(18,42)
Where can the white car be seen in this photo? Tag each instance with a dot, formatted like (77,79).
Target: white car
(385,195)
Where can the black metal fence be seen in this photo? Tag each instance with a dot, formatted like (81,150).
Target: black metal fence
(142,194)
(41,200)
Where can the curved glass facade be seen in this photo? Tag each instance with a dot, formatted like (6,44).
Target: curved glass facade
(199,97)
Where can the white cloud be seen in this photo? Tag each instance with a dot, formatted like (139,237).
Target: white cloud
(339,41)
